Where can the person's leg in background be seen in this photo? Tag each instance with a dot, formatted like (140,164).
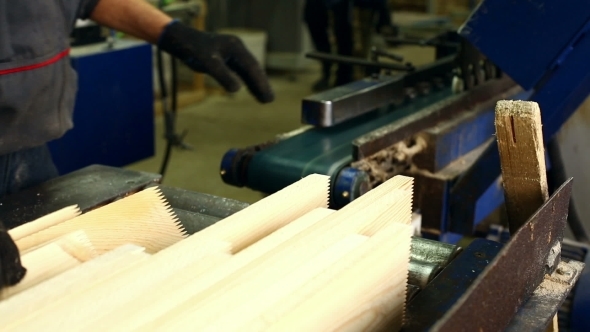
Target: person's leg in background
(385,25)
(26,168)
(315,15)
(342,12)
(366,24)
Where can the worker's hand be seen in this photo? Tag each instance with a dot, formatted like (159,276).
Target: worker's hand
(217,55)
(11,269)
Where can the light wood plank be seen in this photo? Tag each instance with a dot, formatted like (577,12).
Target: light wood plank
(265,216)
(369,296)
(183,285)
(42,264)
(246,307)
(144,219)
(127,284)
(383,201)
(122,312)
(77,245)
(240,271)
(44,222)
(261,219)
(70,282)
(520,141)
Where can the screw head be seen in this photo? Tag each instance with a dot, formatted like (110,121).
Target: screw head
(562,271)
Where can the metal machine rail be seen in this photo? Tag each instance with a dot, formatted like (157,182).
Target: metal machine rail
(342,103)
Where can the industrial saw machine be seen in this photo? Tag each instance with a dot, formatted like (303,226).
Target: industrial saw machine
(434,123)
(430,123)
(450,287)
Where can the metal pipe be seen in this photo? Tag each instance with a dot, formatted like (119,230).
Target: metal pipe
(434,252)
(420,273)
(359,62)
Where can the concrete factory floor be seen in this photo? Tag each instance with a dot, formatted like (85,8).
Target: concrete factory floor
(222,122)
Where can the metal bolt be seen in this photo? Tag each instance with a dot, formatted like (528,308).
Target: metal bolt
(553,256)
(480,255)
(562,271)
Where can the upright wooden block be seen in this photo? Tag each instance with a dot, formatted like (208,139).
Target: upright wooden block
(522,154)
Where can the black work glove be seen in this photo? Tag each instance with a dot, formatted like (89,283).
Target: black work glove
(11,269)
(217,55)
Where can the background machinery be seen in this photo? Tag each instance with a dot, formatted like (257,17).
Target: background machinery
(436,122)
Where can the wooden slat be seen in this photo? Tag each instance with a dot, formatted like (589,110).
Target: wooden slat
(183,285)
(126,284)
(522,155)
(42,264)
(265,216)
(224,237)
(120,313)
(234,319)
(265,267)
(384,202)
(44,222)
(77,245)
(520,141)
(70,282)
(369,296)
(144,219)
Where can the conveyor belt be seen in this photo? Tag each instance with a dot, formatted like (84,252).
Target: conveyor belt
(323,150)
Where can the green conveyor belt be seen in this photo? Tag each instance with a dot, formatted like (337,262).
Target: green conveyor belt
(323,150)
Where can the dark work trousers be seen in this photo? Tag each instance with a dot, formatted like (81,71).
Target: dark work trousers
(316,16)
(380,9)
(383,15)
(26,168)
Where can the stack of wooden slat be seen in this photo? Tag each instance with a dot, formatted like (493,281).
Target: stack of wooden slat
(286,263)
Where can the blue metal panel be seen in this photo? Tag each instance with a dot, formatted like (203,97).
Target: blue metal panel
(565,90)
(114,111)
(542,45)
(525,38)
(463,138)
(488,202)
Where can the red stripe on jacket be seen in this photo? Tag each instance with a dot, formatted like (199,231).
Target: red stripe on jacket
(47,62)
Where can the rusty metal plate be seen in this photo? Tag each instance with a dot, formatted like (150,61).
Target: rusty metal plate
(497,294)
(538,312)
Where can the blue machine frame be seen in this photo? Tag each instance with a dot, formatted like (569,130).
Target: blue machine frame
(545,47)
(114,110)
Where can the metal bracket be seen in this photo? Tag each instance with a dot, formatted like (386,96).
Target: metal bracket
(515,272)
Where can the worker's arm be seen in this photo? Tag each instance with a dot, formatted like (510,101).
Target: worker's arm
(216,55)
